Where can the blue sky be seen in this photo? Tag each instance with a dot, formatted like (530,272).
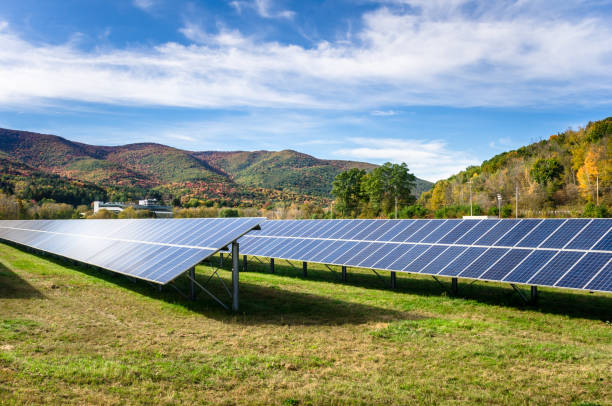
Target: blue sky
(436,84)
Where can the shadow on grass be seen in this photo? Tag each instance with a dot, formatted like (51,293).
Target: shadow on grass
(579,304)
(12,286)
(258,304)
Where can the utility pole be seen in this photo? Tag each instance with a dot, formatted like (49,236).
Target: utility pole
(516,203)
(396,207)
(499,199)
(597,189)
(470,182)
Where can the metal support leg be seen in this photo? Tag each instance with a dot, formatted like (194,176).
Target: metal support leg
(343,274)
(305,268)
(393,280)
(244,263)
(454,286)
(272,265)
(220,259)
(235,275)
(534,294)
(192,285)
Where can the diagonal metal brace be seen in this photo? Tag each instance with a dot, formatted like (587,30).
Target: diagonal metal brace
(208,292)
(379,277)
(293,266)
(520,293)
(450,292)
(334,272)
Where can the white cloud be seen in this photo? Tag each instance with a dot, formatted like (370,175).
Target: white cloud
(427,159)
(145,5)
(264,8)
(384,113)
(499,54)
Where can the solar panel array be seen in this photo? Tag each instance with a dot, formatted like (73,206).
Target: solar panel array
(569,253)
(156,250)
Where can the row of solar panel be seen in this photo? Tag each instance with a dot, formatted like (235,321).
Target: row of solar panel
(572,269)
(182,232)
(583,234)
(156,250)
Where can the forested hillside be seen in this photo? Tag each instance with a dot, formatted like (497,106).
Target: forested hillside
(558,176)
(42,166)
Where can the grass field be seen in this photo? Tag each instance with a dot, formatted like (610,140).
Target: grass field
(75,335)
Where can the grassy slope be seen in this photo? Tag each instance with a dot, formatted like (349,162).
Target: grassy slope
(74,335)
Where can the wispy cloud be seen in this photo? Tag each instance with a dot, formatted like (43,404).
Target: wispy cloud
(145,5)
(384,113)
(433,53)
(431,160)
(264,8)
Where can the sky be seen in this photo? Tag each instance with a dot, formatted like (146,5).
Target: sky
(440,85)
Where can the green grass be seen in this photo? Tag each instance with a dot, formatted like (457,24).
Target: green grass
(76,335)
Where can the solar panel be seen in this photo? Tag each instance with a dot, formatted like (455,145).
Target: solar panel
(156,250)
(572,253)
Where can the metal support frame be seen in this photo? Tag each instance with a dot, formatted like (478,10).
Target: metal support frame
(244,263)
(235,275)
(344,274)
(528,300)
(332,271)
(454,286)
(379,277)
(290,264)
(305,269)
(191,284)
(271,265)
(220,260)
(534,294)
(393,280)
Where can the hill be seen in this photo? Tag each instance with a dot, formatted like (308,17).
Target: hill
(132,171)
(557,176)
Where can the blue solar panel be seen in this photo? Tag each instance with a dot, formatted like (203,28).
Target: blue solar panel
(397,226)
(407,257)
(540,233)
(483,263)
(523,228)
(524,271)
(584,270)
(443,247)
(590,235)
(396,252)
(138,248)
(603,280)
(347,252)
(383,250)
(506,264)
(363,253)
(606,243)
(441,231)
(459,264)
(498,231)
(427,229)
(412,228)
(443,260)
(565,233)
(459,231)
(382,228)
(551,272)
(425,258)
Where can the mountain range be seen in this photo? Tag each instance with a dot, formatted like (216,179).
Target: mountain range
(131,171)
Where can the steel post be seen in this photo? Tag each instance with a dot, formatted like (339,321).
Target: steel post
(454,286)
(344,274)
(534,294)
(393,280)
(305,268)
(272,265)
(244,263)
(191,279)
(235,275)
